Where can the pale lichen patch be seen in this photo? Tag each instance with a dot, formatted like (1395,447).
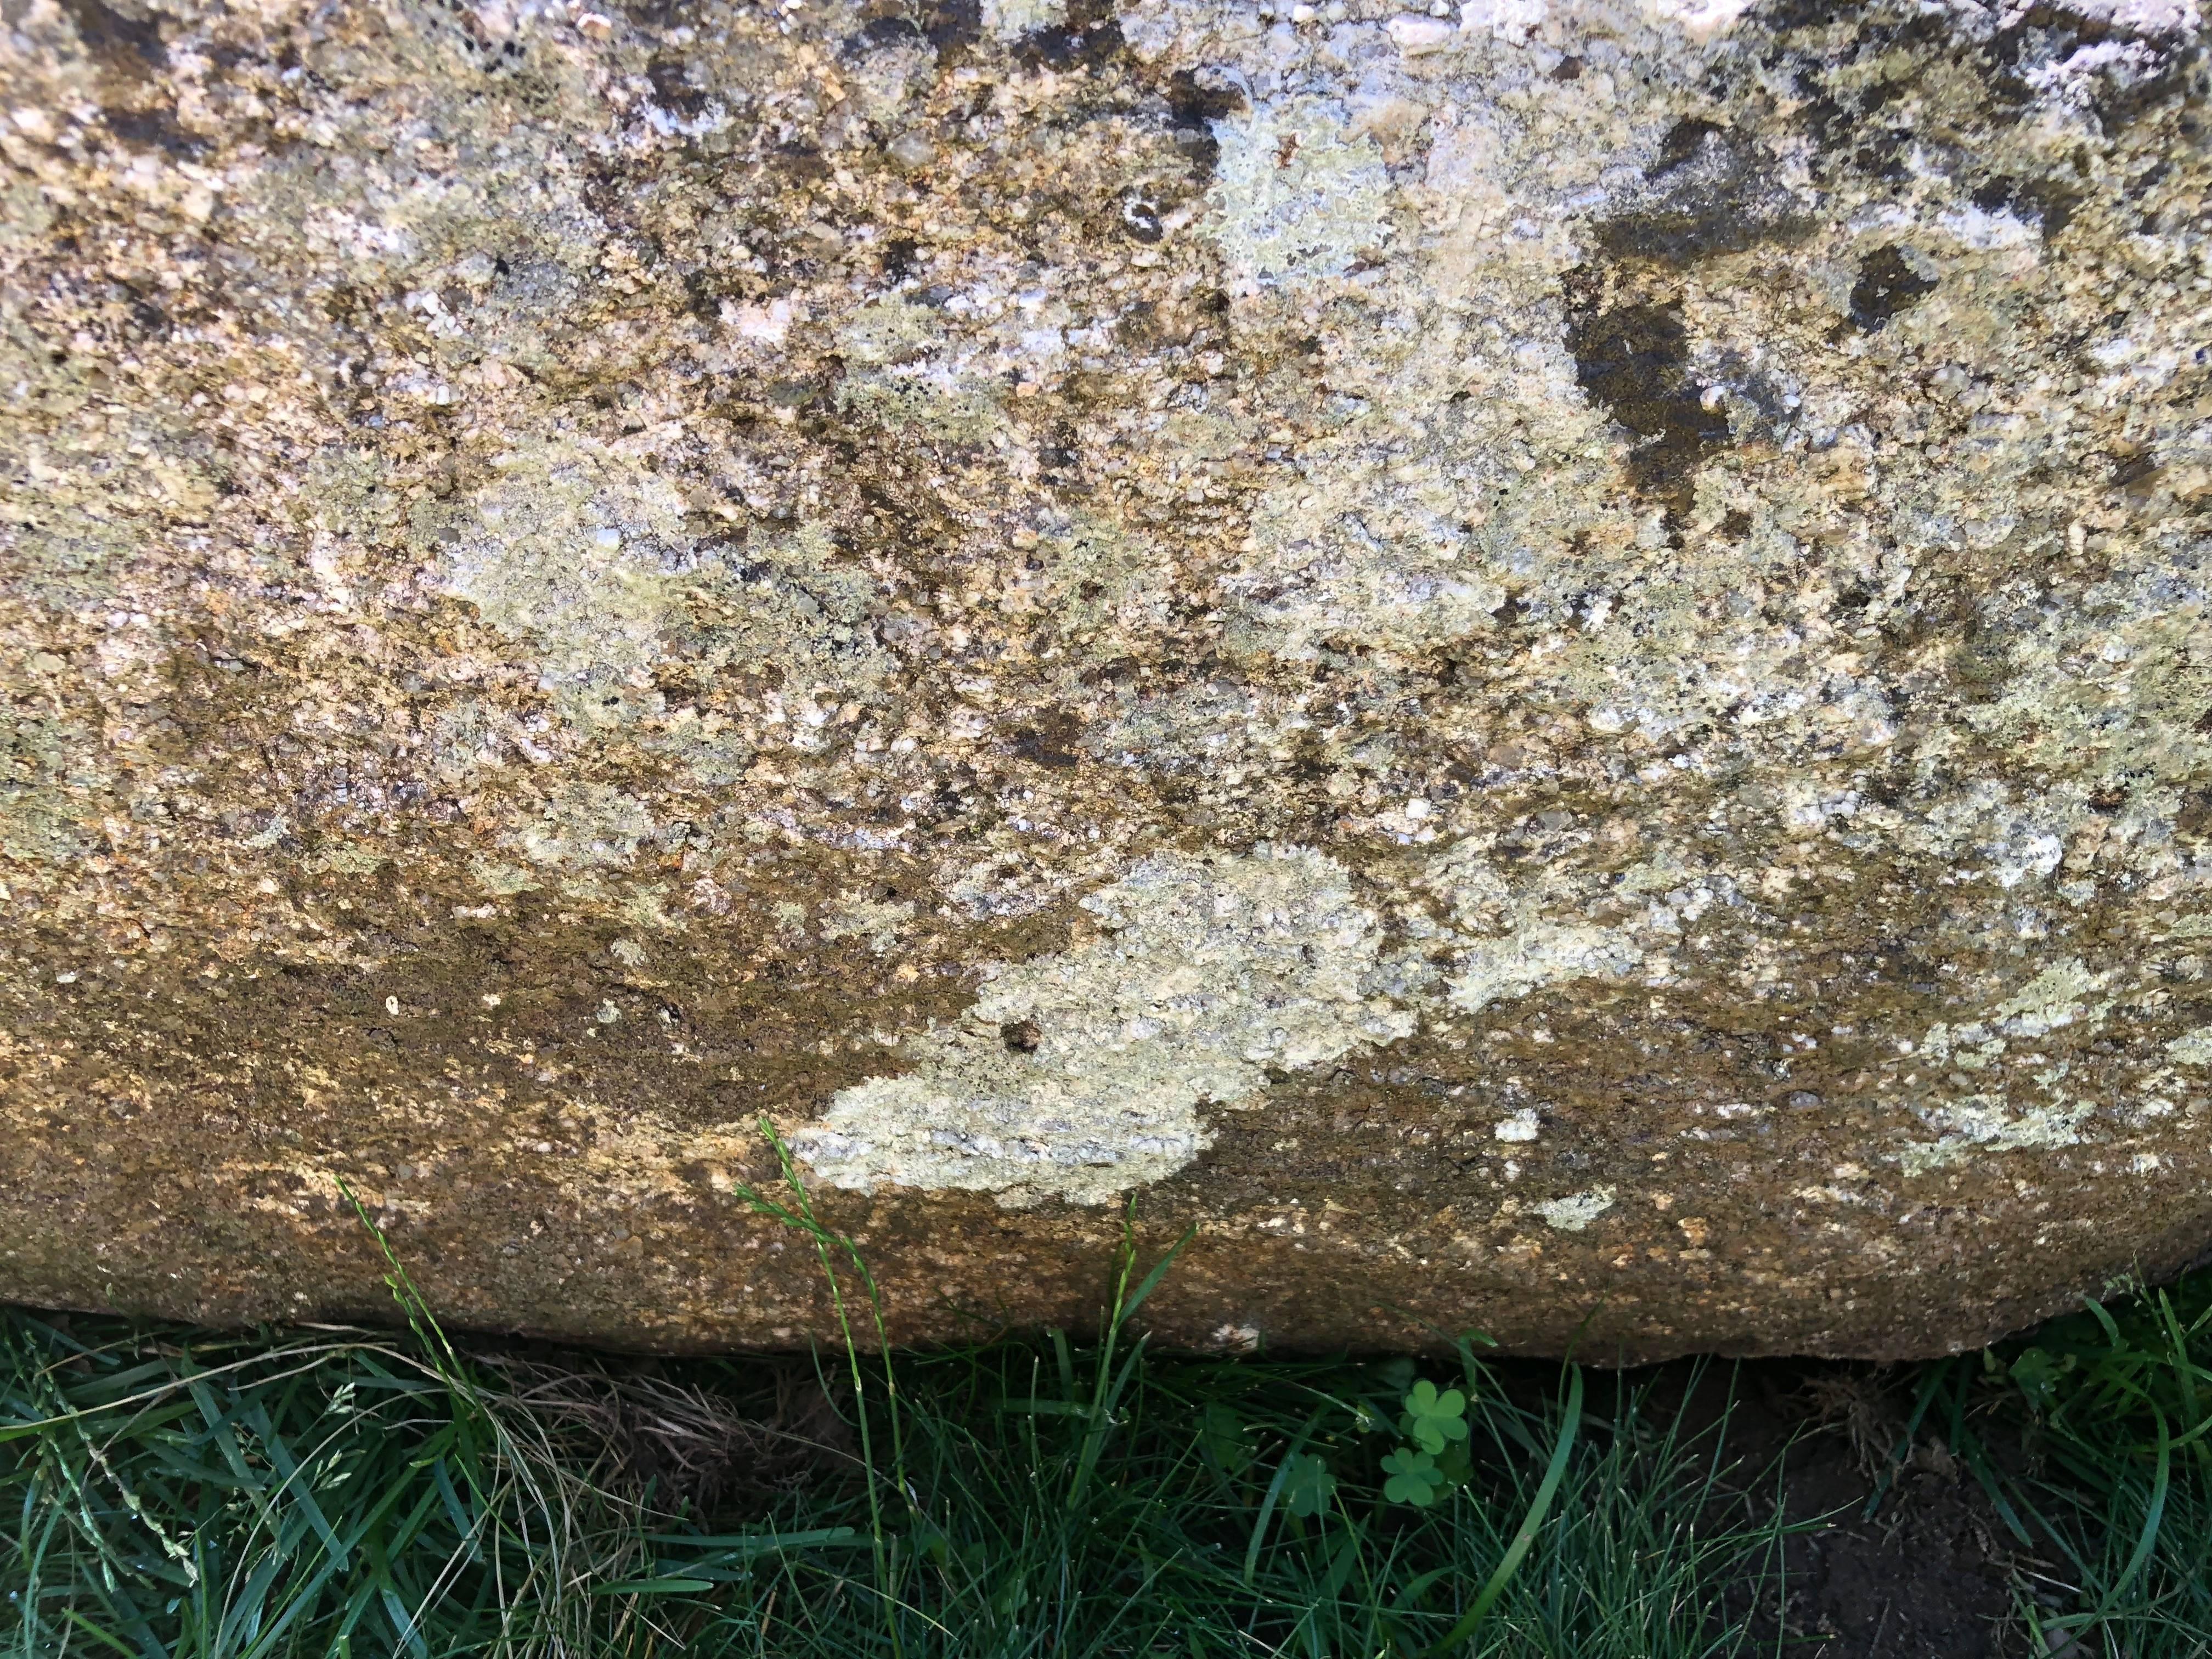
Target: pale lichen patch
(344,858)
(2192,1047)
(587,826)
(574,548)
(50,771)
(1081,1075)
(1541,954)
(1989,1123)
(880,923)
(1298,195)
(1010,20)
(2060,995)
(1990,1120)
(1574,1212)
(1518,948)
(502,880)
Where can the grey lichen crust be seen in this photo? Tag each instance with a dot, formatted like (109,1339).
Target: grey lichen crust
(1551,657)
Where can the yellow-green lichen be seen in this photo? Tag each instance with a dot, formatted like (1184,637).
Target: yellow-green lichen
(1992,1123)
(2192,1047)
(587,826)
(51,778)
(1993,1120)
(1084,1075)
(578,550)
(1515,941)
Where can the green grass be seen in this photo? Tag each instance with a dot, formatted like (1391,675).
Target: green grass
(340,1492)
(2116,1489)
(165,1492)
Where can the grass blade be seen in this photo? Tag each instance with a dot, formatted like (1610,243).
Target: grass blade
(1525,1538)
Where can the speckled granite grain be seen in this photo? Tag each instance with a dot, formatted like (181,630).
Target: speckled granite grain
(1545,664)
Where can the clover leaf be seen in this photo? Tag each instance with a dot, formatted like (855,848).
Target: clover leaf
(2038,1373)
(1414,1478)
(1432,1419)
(1307,1485)
(1221,1437)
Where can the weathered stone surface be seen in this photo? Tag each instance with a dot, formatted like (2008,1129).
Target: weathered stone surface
(1544,665)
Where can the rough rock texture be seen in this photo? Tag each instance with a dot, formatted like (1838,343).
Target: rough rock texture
(1546,664)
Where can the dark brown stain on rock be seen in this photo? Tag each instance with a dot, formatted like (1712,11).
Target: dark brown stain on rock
(1634,359)
(1887,285)
(116,37)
